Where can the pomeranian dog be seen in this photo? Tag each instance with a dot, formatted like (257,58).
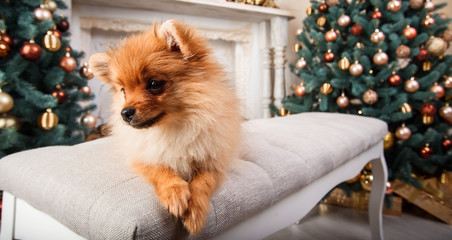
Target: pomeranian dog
(174,114)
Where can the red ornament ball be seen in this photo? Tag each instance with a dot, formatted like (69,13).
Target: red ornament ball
(328,56)
(63,25)
(389,188)
(85,89)
(323,8)
(394,80)
(330,36)
(60,95)
(56,33)
(356,30)
(425,152)
(409,32)
(376,15)
(423,55)
(447,144)
(4,49)
(439,90)
(31,51)
(428,109)
(68,63)
(7,39)
(300,90)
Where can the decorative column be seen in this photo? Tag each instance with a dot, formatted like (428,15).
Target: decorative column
(267,66)
(279,43)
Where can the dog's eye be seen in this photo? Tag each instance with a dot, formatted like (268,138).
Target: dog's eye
(156,86)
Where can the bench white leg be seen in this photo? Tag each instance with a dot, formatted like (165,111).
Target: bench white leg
(8,216)
(380,177)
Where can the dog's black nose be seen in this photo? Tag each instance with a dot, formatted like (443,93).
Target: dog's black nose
(128,113)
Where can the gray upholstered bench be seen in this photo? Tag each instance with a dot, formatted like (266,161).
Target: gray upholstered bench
(286,166)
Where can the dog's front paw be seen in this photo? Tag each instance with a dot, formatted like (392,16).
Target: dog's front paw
(196,215)
(175,198)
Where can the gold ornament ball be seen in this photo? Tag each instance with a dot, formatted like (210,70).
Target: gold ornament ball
(332,2)
(301,63)
(68,63)
(428,21)
(283,112)
(370,96)
(342,101)
(86,72)
(309,11)
(403,51)
(48,120)
(343,64)
(403,132)
(321,21)
(299,31)
(326,89)
(380,58)
(415,4)
(300,90)
(6,102)
(429,5)
(366,181)
(89,120)
(447,82)
(426,66)
(436,46)
(355,179)
(394,5)
(447,35)
(388,140)
(411,85)
(377,36)
(446,113)
(343,21)
(9,121)
(406,108)
(51,6)
(427,120)
(296,47)
(42,14)
(356,69)
(51,42)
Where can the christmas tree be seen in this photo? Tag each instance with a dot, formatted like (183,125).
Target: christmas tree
(383,59)
(41,89)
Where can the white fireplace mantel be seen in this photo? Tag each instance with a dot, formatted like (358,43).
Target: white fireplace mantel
(248,40)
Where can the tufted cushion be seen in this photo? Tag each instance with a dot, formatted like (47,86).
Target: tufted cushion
(90,189)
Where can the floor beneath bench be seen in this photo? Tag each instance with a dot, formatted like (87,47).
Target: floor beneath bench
(325,221)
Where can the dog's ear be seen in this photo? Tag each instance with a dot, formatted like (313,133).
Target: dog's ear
(177,37)
(100,66)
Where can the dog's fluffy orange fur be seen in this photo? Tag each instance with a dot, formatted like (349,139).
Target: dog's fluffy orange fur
(185,127)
